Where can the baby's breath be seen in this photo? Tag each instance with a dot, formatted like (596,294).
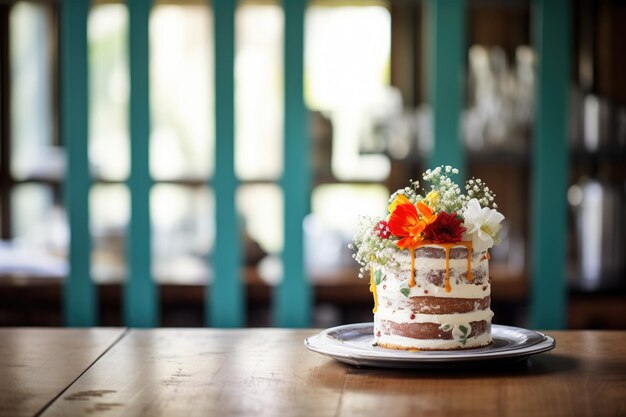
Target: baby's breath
(476,188)
(375,247)
(411,192)
(371,250)
(449,194)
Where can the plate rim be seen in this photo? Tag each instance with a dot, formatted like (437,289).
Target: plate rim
(336,351)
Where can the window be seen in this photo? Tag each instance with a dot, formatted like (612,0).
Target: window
(347,60)
(347,82)
(32,163)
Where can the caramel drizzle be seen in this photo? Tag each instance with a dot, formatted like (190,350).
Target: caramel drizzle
(412,280)
(468,246)
(446,247)
(373,289)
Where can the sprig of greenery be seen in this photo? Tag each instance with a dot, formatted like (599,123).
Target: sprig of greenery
(460,336)
(464,334)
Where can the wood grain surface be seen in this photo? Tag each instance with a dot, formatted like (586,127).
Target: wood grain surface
(207,372)
(38,364)
(268,372)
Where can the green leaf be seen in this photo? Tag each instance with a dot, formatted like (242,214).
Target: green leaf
(446,327)
(378,276)
(463,329)
(405,291)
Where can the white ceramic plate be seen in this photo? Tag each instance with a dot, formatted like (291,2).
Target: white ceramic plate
(353,344)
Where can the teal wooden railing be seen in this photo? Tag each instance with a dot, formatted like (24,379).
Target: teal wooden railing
(80,302)
(140,294)
(446,43)
(292,307)
(550,157)
(226,307)
(293,300)
(446,55)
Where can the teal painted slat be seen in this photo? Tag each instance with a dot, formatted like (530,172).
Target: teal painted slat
(141,293)
(549,211)
(80,302)
(226,295)
(292,307)
(446,58)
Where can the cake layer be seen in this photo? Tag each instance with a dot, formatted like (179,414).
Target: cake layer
(422,263)
(435,251)
(437,276)
(423,331)
(433,305)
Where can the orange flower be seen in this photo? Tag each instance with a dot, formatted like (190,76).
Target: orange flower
(408,222)
(405,222)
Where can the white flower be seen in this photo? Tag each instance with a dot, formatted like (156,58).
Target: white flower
(482,225)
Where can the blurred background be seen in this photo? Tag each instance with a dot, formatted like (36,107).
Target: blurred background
(370,124)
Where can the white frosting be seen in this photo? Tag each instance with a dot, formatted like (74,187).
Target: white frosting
(480,340)
(462,290)
(391,289)
(404,316)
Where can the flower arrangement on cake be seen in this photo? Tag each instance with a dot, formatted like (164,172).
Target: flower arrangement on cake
(428,264)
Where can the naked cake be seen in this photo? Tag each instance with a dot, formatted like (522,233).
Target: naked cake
(428,264)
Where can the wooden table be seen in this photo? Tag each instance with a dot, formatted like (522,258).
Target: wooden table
(268,372)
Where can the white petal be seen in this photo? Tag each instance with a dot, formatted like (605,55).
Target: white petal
(494,218)
(471,227)
(473,205)
(481,241)
(472,214)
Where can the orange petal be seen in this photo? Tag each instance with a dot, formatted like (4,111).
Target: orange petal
(406,243)
(417,229)
(402,219)
(426,212)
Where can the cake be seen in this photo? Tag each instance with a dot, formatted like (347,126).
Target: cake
(428,264)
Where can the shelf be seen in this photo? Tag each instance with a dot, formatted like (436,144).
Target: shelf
(341,287)
(612,154)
